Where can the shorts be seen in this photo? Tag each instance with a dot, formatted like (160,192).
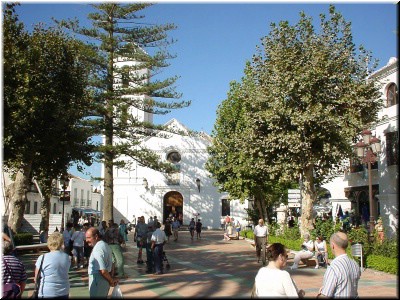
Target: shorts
(78,252)
(140,242)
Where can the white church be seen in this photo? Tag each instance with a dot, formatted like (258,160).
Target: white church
(190,192)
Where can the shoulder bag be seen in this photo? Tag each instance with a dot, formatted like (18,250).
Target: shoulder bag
(11,290)
(35,294)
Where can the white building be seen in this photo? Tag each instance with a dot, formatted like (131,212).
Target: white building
(190,191)
(351,191)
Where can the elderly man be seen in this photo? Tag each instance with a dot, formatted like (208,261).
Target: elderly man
(158,239)
(341,278)
(100,265)
(260,237)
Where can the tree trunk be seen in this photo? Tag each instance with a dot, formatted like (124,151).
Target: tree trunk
(307,195)
(260,204)
(17,195)
(108,204)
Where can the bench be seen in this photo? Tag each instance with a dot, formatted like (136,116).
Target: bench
(233,237)
(35,247)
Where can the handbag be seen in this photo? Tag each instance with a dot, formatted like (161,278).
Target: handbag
(116,293)
(35,294)
(11,290)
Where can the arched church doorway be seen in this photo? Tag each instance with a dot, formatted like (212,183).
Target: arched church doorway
(173,204)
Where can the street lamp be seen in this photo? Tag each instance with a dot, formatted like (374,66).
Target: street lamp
(65,183)
(198,184)
(368,149)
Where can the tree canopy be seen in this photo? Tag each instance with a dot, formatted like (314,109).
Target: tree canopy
(303,99)
(45,104)
(127,80)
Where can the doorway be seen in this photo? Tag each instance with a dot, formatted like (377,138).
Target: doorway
(173,204)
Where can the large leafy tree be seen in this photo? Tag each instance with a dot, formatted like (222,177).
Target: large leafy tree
(119,35)
(310,96)
(45,103)
(233,162)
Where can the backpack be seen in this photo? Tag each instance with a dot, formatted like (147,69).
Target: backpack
(11,290)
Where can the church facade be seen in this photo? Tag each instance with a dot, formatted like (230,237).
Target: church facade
(190,192)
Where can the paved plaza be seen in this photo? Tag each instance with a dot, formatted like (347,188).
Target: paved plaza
(209,268)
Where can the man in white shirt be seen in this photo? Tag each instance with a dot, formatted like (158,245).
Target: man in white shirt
(158,239)
(260,237)
(175,228)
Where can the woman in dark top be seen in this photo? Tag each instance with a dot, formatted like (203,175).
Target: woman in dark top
(167,228)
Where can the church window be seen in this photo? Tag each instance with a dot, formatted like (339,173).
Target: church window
(174,157)
(392,95)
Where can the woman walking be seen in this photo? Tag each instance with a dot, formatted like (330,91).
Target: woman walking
(123,230)
(54,280)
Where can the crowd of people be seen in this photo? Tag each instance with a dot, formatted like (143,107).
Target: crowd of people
(100,251)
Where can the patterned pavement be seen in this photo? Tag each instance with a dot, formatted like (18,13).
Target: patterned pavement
(209,268)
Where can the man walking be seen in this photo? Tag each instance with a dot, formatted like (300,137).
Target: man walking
(100,264)
(158,240)
(175,228)
(260,237)
(342,276)
(140,238)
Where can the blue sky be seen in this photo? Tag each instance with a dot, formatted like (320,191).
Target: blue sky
(216,39)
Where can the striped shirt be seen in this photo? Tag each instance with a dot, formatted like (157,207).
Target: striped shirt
(341,278)
(15,267)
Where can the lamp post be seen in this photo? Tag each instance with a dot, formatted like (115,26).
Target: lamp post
(65,183)
(367,150)
(198,184)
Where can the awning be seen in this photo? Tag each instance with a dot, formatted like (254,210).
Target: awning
(87,211)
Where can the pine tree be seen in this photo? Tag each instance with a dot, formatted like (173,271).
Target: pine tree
(131,56)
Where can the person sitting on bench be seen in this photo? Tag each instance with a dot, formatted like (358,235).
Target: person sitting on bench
(305,253)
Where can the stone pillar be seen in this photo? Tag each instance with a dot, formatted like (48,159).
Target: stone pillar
(281,213)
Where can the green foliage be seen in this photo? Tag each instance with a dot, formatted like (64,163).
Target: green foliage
(325,228)
(389,248)
(144,48)
(383,263)
(302,100)
(23,238)
(45,105)
(291,233)
(273,229)
(360,235)
(289,244)
(247,234)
